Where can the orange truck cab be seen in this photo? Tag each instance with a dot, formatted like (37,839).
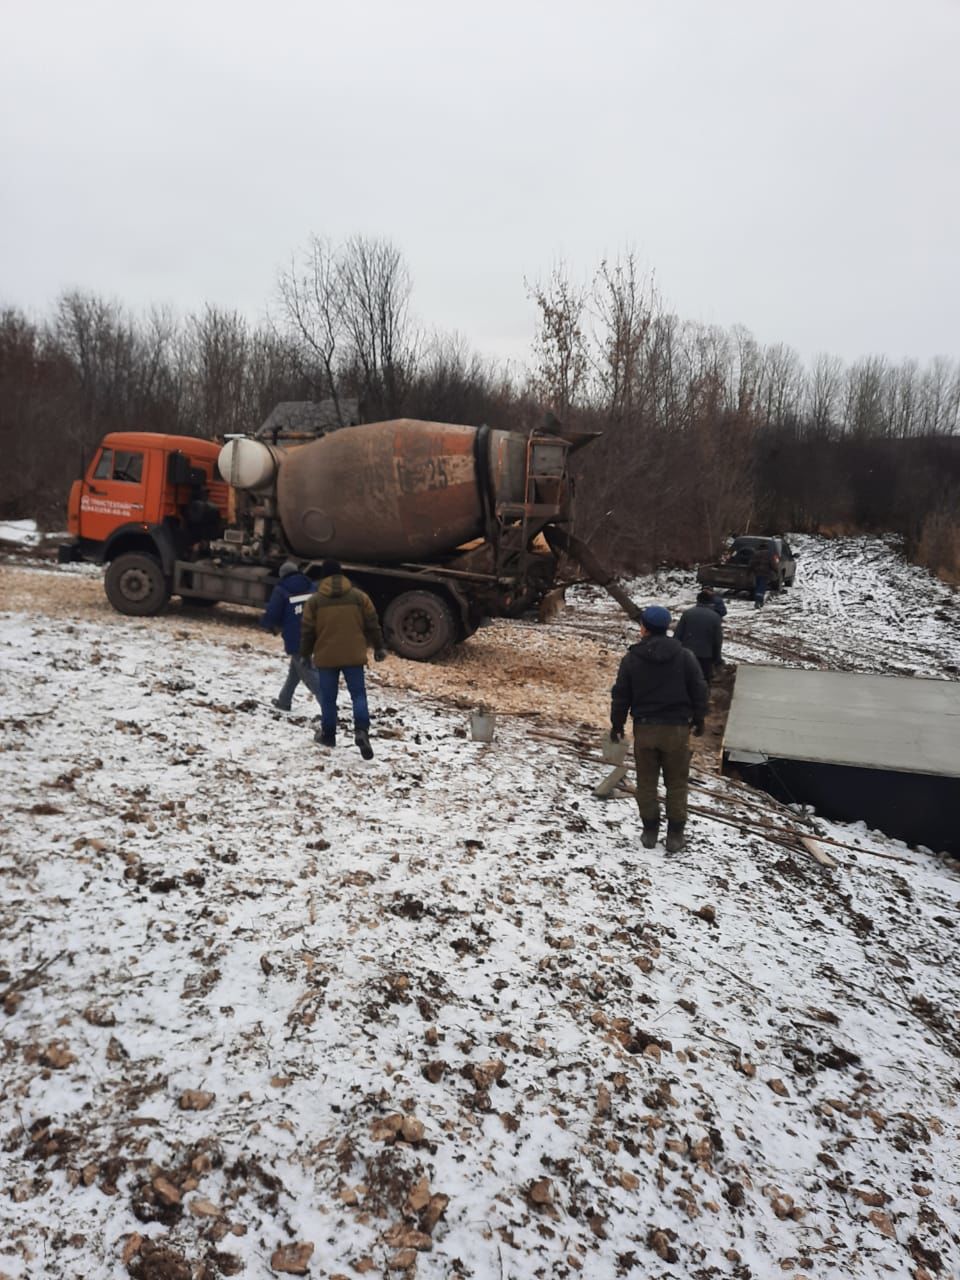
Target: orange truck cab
(145,502)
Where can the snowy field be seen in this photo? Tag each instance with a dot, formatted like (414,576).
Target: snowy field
(270,1011)
(856,605)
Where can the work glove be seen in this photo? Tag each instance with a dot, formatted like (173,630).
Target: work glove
(379,655)
(615,733)
(698,728)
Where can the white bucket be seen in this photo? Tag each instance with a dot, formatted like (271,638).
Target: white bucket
(613,752)
(481,726)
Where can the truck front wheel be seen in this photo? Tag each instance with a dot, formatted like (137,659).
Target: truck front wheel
(419,625)
(135,584)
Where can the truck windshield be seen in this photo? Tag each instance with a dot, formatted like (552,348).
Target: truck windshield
(104,469)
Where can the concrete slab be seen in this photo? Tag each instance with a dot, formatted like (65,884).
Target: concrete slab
(900,723)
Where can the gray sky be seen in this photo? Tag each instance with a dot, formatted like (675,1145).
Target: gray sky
(793,167)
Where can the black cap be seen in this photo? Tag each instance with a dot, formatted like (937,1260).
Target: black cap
(330,568)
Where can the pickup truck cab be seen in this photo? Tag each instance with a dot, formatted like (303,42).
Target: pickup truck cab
(733,573)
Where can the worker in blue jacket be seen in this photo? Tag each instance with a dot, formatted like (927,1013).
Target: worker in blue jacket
(283,613)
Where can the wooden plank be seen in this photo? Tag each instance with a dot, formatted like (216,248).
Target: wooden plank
(819,855)
(610,782)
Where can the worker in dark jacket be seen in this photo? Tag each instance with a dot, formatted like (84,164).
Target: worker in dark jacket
(283,613)
(701,631)
(661,685)
(764,564)
(339,622)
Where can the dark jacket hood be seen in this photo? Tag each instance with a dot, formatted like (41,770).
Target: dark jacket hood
(659,682)
(656,649)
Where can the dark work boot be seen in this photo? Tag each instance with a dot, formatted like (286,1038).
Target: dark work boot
(651,831)
(674,841)
(325,738)
(362,739)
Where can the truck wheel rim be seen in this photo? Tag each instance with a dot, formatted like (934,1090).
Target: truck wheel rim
(135,584)
(417,626)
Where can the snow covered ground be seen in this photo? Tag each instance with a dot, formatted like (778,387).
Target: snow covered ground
(856,605)
(272,1011)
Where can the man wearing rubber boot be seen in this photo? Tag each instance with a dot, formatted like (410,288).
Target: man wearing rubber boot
(660,683)
(339,621)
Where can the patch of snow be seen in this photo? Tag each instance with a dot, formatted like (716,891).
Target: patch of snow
(197,897)
(22,533)
(857,605)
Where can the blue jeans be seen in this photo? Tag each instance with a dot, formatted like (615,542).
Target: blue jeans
(298,670)
(759,588)
(328,682)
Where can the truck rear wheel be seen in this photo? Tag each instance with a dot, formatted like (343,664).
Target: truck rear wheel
(135,584)
(419,625)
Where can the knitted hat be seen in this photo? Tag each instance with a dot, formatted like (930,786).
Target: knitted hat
(288,567)
(330,568)
(655,617)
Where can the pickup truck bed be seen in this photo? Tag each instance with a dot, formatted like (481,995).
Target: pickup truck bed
(734,573)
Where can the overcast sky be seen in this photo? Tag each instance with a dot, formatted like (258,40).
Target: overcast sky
(793,167)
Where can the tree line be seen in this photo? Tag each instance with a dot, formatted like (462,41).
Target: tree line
(703,431)
(707,432)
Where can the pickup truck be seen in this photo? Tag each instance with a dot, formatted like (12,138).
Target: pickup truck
(733,573)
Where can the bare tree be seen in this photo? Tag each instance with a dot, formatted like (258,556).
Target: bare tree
(220,351)
(781,386)
(823,394)
(314,313)
(560,348)
(375,290)
(864,413)
(748,369)
(624,305)
(940,390)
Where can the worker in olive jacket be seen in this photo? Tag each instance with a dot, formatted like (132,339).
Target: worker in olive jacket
(660,684)
(339,622)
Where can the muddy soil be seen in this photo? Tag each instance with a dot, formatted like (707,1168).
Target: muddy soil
(558,674)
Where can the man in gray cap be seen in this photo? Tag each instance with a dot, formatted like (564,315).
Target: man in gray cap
(660,683)
(283,613)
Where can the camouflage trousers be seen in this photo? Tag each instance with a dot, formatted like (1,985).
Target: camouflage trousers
(662,748)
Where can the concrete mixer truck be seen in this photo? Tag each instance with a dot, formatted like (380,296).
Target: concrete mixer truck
(441,524)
